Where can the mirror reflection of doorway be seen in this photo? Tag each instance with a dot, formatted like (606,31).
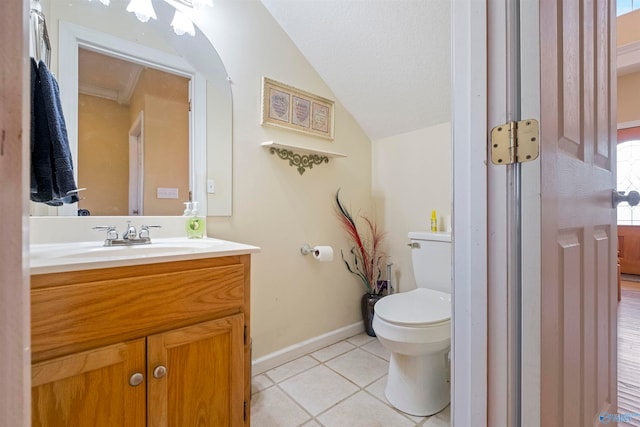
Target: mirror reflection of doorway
(136,166)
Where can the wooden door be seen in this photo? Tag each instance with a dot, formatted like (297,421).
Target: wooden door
(578,236)
(91,388)
(203,385)
(14,256)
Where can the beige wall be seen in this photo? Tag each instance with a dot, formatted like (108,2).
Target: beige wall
(103,151)
(166,154)
(294,298)
(627,28)
(628,31)
(629,97)
(164,98)
(412,177)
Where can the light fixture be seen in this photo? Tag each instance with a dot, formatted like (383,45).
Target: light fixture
(200,3)
(181,24)
(143,9)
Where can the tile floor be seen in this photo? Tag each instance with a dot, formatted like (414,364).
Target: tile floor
(338,386)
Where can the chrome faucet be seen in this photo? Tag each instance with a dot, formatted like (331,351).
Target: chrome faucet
(129,237)
(131,232)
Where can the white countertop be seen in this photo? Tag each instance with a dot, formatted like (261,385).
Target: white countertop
(61,257)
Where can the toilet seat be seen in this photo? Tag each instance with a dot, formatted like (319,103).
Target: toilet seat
(418,308)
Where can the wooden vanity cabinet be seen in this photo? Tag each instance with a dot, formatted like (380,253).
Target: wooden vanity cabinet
(90,388)
(153,345)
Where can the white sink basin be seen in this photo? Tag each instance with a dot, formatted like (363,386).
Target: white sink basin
(96,250)
(55,257)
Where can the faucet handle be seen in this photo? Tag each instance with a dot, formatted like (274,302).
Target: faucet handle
(144,230)
(110,229)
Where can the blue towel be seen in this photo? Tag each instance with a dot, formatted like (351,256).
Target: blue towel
(52,165)
(41,173)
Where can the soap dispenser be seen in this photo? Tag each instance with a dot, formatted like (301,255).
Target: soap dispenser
(195,225)
(187,209)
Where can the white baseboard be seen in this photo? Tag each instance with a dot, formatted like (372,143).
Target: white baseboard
(290,353)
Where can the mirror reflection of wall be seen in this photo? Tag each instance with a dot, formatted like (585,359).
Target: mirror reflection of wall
(133,137)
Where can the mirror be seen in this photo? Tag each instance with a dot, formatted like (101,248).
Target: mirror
(133,127)
(89,32)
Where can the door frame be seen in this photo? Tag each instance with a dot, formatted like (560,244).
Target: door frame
(478,48)
(136,166)
(469,117)
(15,117)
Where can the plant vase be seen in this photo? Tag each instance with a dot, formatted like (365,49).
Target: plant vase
(367,304)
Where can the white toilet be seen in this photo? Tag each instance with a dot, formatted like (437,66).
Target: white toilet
(415,327)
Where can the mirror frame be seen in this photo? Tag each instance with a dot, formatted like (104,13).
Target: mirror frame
(73,36)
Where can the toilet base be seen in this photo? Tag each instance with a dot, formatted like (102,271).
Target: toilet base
(419,385)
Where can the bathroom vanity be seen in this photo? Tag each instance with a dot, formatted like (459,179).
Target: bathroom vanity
(162,340)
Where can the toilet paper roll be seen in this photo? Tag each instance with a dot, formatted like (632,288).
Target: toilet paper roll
(323,253)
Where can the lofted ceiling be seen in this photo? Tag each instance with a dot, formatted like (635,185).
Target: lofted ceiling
(106,77)
(387,61)
(116,79)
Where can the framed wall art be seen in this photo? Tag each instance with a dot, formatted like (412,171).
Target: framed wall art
(290,108)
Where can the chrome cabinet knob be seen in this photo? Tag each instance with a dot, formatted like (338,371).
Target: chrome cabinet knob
(136,379)
(632,198)
(159,371)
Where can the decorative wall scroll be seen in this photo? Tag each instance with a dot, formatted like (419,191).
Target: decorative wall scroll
(291,108)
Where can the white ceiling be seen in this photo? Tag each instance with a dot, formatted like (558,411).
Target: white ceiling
(106,77)
(387,61)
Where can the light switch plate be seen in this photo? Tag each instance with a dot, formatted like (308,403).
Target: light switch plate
(167,193)
(211,186)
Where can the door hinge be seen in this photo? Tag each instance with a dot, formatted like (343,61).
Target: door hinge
(515,142)
(245,334)
(245,410)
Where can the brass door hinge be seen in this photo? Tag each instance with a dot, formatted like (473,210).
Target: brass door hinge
(515,142)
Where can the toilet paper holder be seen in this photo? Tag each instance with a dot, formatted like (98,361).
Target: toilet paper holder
(306,249)
(319,253)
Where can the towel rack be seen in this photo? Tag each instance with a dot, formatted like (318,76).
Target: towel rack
(39,46)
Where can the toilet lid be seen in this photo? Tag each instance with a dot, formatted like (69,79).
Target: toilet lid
(415,308)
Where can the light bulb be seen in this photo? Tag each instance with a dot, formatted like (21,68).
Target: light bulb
(143,9)
(181,24)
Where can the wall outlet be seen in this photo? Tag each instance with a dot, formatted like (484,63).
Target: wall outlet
(211,186)
(167,193)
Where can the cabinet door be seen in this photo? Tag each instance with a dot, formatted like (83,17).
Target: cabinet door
(91,388)
(196,375)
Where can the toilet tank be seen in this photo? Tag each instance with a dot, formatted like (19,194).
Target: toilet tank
(431,259)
